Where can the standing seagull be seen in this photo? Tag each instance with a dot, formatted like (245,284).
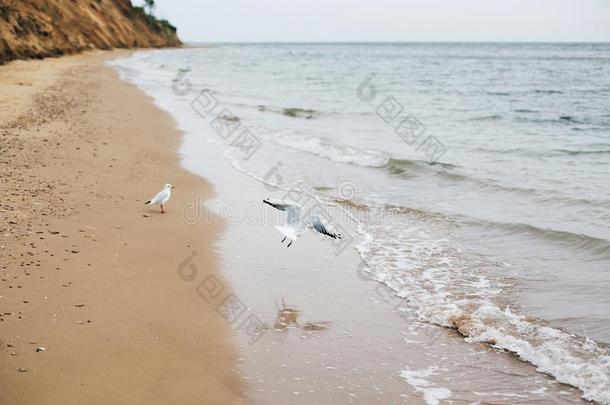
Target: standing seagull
(296,226)
(162,197)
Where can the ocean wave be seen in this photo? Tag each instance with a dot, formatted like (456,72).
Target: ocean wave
(292,112)
(594,245)
(229,117)
(449,172)
(449,287)
(295,112)
(588,243)
(399,166)
(582,152)
(568,118)
(570,359)
(491,117)
(539,91)
(335,153)
(356,156)
(562,119)
(409,168)
(537,153)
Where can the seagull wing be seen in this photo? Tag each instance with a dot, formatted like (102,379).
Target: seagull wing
(293,210)
(319,226)
(160,197)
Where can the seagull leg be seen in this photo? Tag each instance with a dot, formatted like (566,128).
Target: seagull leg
(289,243)
(283,239)
(162,210)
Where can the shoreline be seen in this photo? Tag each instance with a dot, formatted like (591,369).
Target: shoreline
(93,308)
(332,337)
(112,289)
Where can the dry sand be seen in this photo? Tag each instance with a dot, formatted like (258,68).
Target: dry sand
(88,272)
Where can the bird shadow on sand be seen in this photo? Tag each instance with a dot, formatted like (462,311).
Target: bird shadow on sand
(288,318)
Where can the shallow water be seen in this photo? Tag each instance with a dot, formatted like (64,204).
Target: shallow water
(475,176)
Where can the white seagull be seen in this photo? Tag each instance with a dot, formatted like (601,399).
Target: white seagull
(295,225)
(162,197)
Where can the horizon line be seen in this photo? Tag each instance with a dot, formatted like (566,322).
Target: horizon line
(392,42)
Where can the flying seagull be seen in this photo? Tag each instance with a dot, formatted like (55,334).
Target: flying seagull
(162,197)
(295,225)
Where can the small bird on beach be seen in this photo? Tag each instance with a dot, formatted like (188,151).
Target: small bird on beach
(296,226)
(162,197)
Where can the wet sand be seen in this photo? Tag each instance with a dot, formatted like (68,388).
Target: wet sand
(93,308)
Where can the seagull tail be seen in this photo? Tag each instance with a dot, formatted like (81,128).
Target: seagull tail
(147,202)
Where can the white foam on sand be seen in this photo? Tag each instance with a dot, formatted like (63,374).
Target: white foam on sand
(418,380)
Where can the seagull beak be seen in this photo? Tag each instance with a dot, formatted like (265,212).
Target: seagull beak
(173,187)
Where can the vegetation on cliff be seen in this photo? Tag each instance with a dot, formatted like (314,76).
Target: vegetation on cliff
(41,28)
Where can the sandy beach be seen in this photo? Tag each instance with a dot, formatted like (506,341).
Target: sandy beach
(91,307)
(277,203)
